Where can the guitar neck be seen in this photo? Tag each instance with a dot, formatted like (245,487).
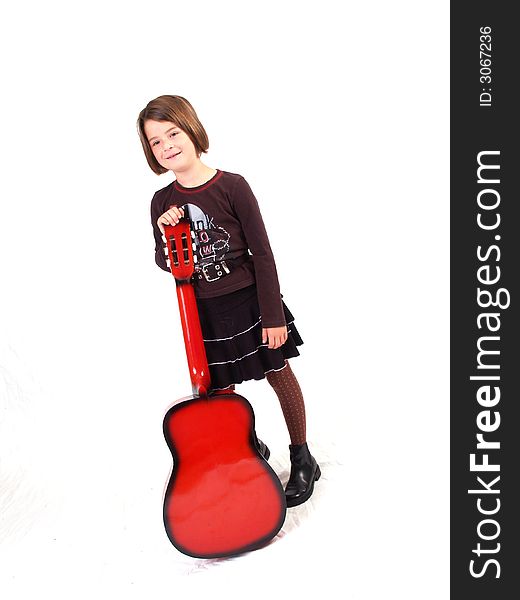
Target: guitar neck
(193,341)
(180,252)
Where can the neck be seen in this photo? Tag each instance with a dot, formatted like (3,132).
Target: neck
(195,174)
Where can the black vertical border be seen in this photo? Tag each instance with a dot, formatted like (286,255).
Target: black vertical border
(475,129)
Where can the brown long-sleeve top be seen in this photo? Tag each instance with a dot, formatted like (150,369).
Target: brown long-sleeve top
(226,218)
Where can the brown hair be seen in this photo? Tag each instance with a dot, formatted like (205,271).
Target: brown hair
(179,111)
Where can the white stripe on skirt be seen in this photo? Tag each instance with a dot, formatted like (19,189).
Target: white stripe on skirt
(227,362)
(240,333)
(238,382)
(237,334)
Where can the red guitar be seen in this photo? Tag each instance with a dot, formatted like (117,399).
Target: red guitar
(222,497)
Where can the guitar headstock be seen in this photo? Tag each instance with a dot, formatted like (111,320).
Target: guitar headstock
(180,249)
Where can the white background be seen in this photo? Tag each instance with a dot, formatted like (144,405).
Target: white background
(337,115)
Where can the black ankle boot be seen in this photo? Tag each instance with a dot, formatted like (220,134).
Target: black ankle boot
(304,472)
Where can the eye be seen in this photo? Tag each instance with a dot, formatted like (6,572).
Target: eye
(173,133)
(155,142)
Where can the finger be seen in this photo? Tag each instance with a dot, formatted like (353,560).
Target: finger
(169,218)
(166,219)
(264,336)
(172,216)
(176,212)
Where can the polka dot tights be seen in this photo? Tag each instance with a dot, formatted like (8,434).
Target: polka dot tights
(289,393)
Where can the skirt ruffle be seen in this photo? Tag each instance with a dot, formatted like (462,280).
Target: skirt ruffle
(232,331)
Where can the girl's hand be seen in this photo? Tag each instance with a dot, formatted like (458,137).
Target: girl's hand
(274,336)
(170,217)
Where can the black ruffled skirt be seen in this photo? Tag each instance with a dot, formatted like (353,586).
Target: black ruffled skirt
(232,331)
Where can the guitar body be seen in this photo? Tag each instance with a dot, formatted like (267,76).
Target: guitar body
(222,497)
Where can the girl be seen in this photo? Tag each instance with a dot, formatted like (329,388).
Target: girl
(248,331)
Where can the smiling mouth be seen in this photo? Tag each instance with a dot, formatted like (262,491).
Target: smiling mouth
(172,156)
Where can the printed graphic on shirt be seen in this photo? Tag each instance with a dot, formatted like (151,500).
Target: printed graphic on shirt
(212,241)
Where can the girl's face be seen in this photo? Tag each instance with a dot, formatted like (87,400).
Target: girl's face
(170,145)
